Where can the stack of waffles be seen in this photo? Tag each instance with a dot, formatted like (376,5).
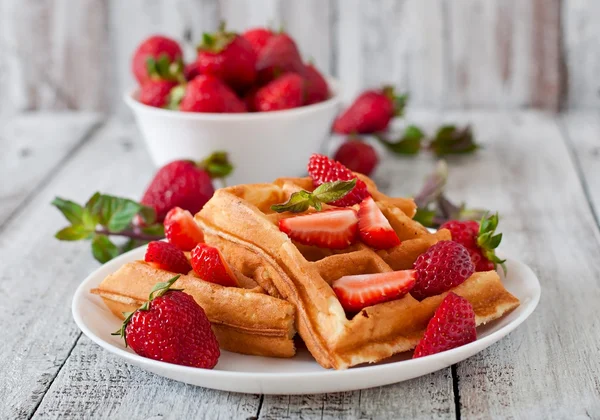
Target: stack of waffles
(285,286)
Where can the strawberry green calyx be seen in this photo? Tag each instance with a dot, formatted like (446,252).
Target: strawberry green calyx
(217,165)
(218,41)
(488,242)
(399,101)
(327,192)
(165,69)
(408,144)
(159,289)
(175,97)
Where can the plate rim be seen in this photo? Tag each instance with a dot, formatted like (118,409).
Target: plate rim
(435,360)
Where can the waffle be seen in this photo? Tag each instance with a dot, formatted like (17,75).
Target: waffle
(239,221)
(244,319)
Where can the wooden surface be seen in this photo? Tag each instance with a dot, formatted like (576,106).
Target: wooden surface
(539,171)
(66,54)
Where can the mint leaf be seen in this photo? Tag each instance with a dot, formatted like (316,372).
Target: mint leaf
(325,193)
(103,249)
(73,233)
(155,230)
(148,214)
(425,217)
(408,144)
(73,212)
(453,140)
(217,165)
(122,211)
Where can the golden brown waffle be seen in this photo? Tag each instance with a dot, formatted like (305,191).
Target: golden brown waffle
(239,221)
(244,319)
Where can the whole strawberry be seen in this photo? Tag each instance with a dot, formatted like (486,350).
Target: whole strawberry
(191,71)
(285,92)
(280,55)
(229,57)
(479,239)
(452,325)
(153,50)
(442,267)
(173,328)
(317,89)
(209,94)
(371,112)
(357,156)
(156,92)
(185,184)
(258,38)
(322,169)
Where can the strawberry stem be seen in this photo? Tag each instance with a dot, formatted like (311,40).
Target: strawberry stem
(134,233)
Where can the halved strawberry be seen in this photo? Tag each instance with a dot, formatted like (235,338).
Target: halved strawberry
(181,230)
(452,325)
(166,256)
(359,291)
(374,229)
(210,265)
(334,229)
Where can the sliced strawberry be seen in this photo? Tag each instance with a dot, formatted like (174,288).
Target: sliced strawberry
(210,265)
(334,229)
(181,230)
(168,257)
(374,229)
(452,325)
(360,291)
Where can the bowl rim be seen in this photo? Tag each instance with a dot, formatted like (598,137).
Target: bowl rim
(137,106)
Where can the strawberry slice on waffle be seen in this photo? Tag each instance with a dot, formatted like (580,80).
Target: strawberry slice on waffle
(374,229)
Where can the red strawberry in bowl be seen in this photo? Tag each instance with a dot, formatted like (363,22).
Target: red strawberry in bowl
(156,92)
(280,55)
(479,239)
(445,265)
(181,230)
(322,169)
(357,156)
(359,291)
(156,49)
(452,325)
(285,92)
(317,89)
(168,257)
(229,57)
(371,112)
(258,38)
(173,328)
(207,94)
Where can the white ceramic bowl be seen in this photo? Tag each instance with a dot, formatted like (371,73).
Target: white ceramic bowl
(262,145)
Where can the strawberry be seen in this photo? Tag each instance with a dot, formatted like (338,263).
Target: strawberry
(258,38)
(322,169)
(280,55)
(210,265)
(445,265)
(191,71)
(479,239)
(359,291)
(374,229)
(357,156)
(452,325)
(173,328)
(156,92)
(168,257)
(229,57)
(316,85)
(181,230)
(284,92)
(209,94)
(156,49)
(371,112)
(334,229)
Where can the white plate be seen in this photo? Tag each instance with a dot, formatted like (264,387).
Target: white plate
(300,374)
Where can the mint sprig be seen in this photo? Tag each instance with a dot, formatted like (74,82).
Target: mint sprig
(327,192)
(453,140)
(106,215)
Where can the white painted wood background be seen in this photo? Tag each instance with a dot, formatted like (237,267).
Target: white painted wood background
(65,54)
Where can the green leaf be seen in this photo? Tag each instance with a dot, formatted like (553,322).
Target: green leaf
(122,212)
(425,217)
(156,229)
(160,289)
(103,249)
(325,193)
(175,97)
(148,214)
(73,233)
(452,140)
(131,244)
(73,212)
(217,165)
(408,144)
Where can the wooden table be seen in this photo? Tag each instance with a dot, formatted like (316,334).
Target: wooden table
(540,171)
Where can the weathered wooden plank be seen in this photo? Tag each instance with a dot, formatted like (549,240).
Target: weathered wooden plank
(581,33)
(582,131)
(547,368)
(39,276)
(34,146)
